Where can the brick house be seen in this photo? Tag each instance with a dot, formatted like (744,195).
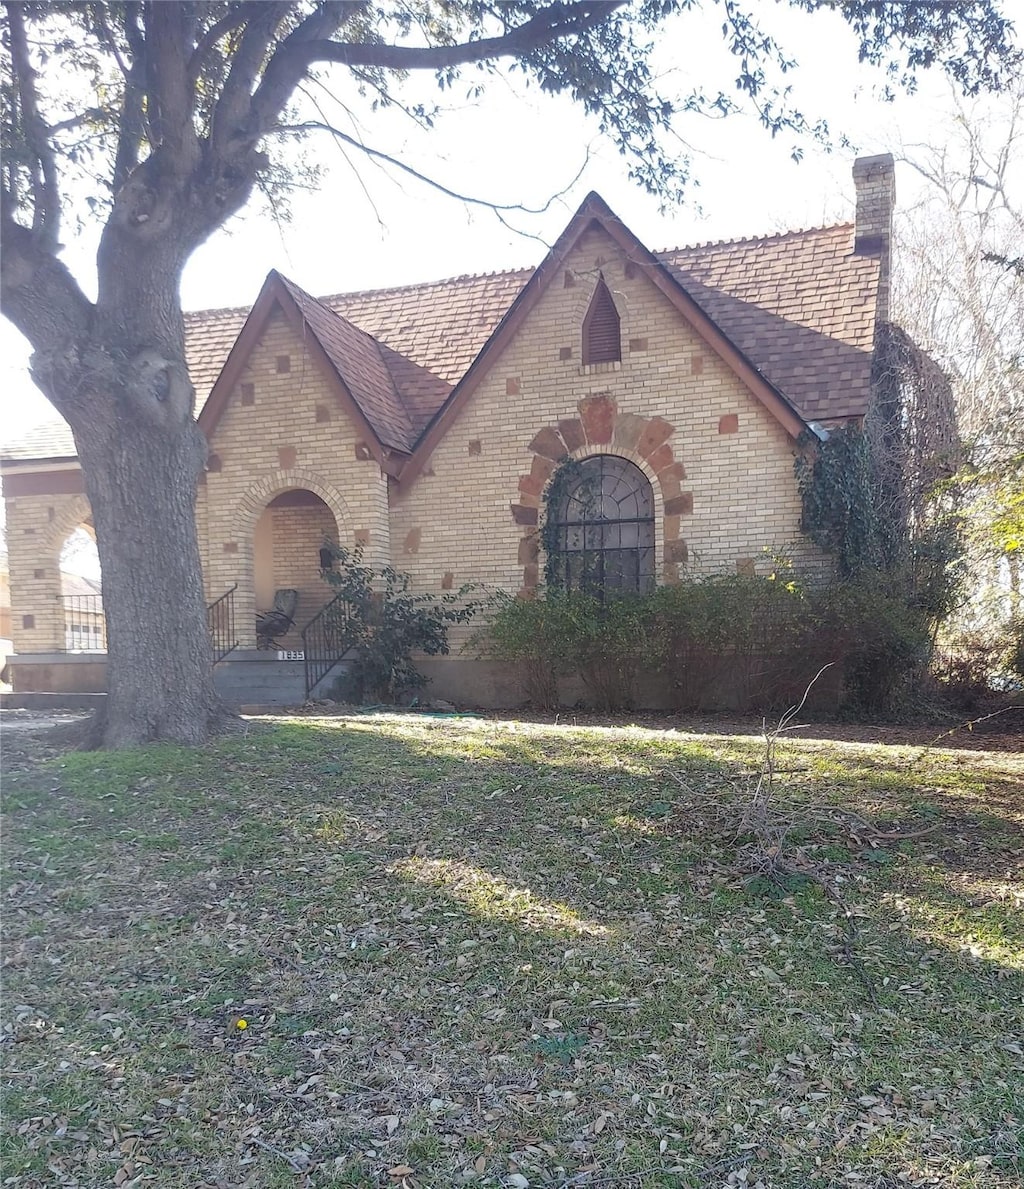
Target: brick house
(424,422)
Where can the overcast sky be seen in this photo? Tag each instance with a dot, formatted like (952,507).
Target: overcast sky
(368,227)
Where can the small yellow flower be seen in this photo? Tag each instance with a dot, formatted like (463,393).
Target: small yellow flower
(240,1023)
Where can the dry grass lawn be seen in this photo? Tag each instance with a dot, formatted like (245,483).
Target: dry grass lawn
(503,954)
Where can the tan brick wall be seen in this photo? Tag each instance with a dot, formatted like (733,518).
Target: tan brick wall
(37,527)
(737,461)
(279,442)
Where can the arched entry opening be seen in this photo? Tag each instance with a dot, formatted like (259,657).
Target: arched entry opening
(289,537)
(81,592)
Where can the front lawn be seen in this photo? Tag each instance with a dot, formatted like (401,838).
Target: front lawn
(376,950)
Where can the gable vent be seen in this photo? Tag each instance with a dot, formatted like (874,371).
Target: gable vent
(602,342)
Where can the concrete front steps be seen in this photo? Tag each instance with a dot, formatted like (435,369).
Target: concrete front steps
(248,677)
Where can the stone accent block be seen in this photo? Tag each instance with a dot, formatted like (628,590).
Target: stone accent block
(671,525)
(680,505)
(658,432)
(362,536)
(542,468)
(323,414)
(512,386)
(677,552)
(475,446)
(363,452)
(564,353)
(213,463)
(531,575)
(447,580)
(696,365)
(38,573)
(661,458)
(247,394)
(524,515)
(28,621)
(286,457)
(529,486)
(529,550)
(746,567)
(569,279)
(283,364)
(598,416)
(637,346)
(412,540)
(730,423)
(230,546)
(572,433)
(548,444)
(628,428)
(670,573)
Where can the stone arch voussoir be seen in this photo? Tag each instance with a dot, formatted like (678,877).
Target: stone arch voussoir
(599,428)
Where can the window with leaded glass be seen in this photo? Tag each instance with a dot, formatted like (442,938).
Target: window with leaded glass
(603,528)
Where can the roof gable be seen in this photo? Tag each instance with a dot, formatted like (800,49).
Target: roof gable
(350,358)
(595,211)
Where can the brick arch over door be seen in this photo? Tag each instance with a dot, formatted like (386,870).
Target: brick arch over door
(601,429)
(256,498)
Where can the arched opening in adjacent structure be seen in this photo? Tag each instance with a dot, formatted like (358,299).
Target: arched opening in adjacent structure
(81,592)
(289,540)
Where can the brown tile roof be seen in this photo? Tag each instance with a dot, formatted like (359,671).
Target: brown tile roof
(800,306)
(358,359)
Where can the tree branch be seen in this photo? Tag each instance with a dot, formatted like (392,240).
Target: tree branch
(551,24)
(45,191)
(311,125)
(208,41)
(43,300)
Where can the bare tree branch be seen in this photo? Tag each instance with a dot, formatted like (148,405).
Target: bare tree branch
(378,154)
(45,191)
(551,24)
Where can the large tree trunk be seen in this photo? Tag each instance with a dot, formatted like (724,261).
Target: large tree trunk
(141,483)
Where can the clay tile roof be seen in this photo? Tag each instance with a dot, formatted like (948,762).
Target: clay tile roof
(801,306)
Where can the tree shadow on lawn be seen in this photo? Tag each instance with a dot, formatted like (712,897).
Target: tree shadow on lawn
(528,937)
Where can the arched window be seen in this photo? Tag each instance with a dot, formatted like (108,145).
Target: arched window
(602,341)
(604,528)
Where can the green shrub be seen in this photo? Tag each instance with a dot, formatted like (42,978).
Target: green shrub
(751,642)
(386,623)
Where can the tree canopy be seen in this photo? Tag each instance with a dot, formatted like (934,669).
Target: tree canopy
(160,120)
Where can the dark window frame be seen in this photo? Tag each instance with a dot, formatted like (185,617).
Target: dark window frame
(604,529)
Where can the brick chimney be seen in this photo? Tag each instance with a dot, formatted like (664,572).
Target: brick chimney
(874,179)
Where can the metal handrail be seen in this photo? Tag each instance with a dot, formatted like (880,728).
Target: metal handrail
(220,618)
(326,639)
(85,624)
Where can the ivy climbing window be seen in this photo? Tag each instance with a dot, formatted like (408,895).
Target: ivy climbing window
(600,531)
(602,342)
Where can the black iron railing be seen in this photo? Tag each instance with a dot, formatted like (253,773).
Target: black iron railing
(220,618)
(326,639)
(85,626)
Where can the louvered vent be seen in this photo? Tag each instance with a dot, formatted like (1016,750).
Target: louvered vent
(602,342)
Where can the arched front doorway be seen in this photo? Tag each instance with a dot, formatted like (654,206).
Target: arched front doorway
(288,538)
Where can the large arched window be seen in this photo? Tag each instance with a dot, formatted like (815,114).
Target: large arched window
(604,528)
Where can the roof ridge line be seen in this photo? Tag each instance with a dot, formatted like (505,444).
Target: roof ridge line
(753,239)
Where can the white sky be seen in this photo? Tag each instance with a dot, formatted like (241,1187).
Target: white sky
(366,228)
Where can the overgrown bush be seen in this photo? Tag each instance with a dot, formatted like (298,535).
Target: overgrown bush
(748,642)
(565,633)
(385,623)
